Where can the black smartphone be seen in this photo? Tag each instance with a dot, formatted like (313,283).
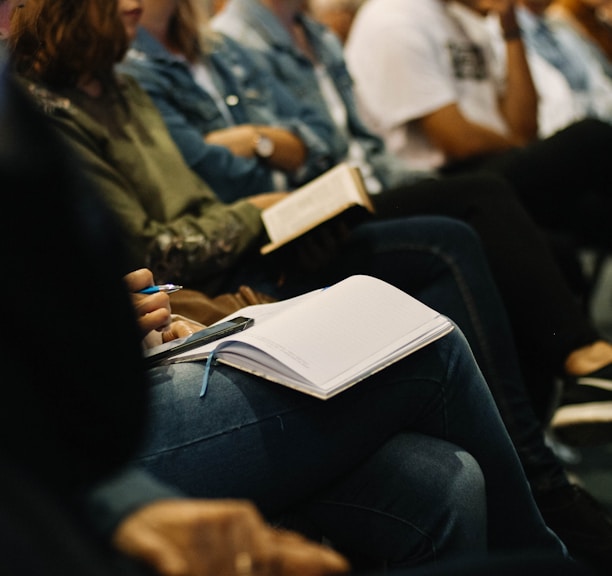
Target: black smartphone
(158,354)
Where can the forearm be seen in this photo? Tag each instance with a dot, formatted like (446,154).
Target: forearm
(519,103)
(458,137)
(155,338)
(196,236)
(478,140)
(289,151)
(195,249)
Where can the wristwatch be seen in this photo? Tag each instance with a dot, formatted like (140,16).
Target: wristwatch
(264,146)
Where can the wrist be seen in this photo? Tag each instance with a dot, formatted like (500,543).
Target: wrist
(263,146)
(509,25)
(511,34)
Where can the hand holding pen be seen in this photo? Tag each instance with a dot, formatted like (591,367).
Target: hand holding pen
(153,307)
(152,304)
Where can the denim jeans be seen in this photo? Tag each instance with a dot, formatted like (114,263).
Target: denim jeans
(394,469)
(440,261)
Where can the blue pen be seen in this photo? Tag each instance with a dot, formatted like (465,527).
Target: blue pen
(167,288)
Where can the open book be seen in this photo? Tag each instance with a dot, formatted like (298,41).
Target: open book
(325,197)
(325,341)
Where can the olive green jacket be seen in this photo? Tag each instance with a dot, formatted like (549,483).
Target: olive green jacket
(174,222)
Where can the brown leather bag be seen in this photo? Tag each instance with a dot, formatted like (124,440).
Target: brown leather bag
(198,306)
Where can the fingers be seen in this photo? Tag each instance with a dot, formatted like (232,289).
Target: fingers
(247,546)
(220,538)
(179,329)
(291,554)
(153,311)
(267,199)
(138,279)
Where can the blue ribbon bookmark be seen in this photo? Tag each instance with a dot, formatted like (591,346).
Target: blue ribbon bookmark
(207,369)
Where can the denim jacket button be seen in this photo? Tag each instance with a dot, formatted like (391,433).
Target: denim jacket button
(231,99)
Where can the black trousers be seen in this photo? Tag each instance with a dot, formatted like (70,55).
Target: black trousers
(563,181)
(547,319)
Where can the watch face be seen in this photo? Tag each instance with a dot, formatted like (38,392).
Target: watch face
(264,147)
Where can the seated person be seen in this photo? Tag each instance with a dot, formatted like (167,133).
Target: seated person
(258,426)
(75,396)
(175,222)
(80,424)
(571,82)
(482,118)
(232,146)
(245,134)
(478,121)
(310,61)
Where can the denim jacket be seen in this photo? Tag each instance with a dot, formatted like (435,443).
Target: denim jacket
(251,97)
(253,24)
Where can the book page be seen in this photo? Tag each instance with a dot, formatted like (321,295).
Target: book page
(252,358)
(342,328)
(313,203)
(334,335)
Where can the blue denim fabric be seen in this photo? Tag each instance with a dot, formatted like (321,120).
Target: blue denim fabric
(441,262)
(385,470)
(572,55)
(252,24)
(252,96)
(330,462)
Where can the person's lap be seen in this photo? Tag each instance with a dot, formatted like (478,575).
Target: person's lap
(442,517)
(252,439)
(564,180)
(440,261)
(342,463)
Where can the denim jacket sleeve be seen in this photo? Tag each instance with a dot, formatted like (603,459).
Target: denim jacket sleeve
(269,102)
(189,114)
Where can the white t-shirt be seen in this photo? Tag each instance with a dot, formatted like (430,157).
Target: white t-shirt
(557,105)
(410,58)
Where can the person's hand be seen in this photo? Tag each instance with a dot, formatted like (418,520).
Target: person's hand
(152,310)
(219,538)
(180,329)
(239,139)
(289,152)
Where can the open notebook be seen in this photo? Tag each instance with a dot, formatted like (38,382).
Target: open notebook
(325,341)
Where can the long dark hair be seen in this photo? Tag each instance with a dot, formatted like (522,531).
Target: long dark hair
(60,41)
